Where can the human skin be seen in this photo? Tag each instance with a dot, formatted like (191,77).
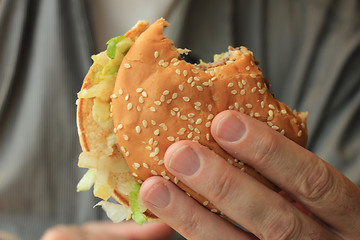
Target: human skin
(317,187)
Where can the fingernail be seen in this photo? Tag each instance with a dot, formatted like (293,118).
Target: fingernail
(158,196)
(184,161)
(230,128)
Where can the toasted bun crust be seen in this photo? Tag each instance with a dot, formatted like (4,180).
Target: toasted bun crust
(160,99)
(94,138)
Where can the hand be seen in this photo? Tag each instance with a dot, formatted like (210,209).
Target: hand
(109,231)
(306,178)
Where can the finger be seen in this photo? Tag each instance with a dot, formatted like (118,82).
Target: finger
(309,179)
(259,209)
(131,230)
(109,231)
(184,214)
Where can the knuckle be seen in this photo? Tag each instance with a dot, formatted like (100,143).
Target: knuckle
(220,189)
(266,146)
(317,183)
(190,223)
(281,227)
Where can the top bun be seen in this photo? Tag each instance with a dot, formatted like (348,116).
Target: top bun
(159,99)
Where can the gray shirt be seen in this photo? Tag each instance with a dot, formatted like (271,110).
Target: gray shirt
(309,50)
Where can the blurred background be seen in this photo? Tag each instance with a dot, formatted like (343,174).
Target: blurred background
(309,50)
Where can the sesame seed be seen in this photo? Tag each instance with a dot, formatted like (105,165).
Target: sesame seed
(208,136)
(262,104)
(144,94)
(240,85)
(196,79)
(129,106)
(171,138)
(210,107)
(178,71)
(247,68)
(196,130)
(262,91)
(248,105)
(127,97)
(299,133)
(121,92)
(120,126)
(212,73)
(175,95)
(197,108)
(126,137)
(243,82)
(176,181)
(208,124)
(213,79)
(162,98)
(138,108)
(134,174)
(253,89)
(138,129)
(258,84)
(157,103)
(156,54)
(231,107)
(205,203)
(114,130)
(181,87)
(153,172)
(282,132)
(166,92)
(186,99)
(157,132)
(145,123)
(163,125)
(148,148)
(161,162)
(230,84)
(190,135)
(141,99)
(139,90)
(172,112)
(165,64)
(161,62)
(183,117)
(194,70)
(200,88)
(269,123)
(271,106)
(123,149)
(211,116)
(189,80)
(153,122)
(174,60)
(185,72)
(113,95)
(176,63)
(236,104)
(136,165)
(257,114)
(242,109)
(214,210)
(127,154)
(275,127)
(285,112)
(233,92)
(302,125)
(198,121)
(190,115)
(196,138)
(151,141)
(152,109)
(242,92)
(145,165)
(126,65)
(271,115)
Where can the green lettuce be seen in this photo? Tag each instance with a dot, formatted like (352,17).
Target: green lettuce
(111,46)
(134,203)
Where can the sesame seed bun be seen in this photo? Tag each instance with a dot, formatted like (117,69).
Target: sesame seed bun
(159,99)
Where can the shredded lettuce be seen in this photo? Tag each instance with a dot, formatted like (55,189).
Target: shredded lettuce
(135,205)
(111,46)
(117,213)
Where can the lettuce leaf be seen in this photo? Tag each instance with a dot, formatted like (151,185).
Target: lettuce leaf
(134,202)
(111,46)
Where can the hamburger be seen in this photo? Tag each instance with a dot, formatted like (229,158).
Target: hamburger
(140,96)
